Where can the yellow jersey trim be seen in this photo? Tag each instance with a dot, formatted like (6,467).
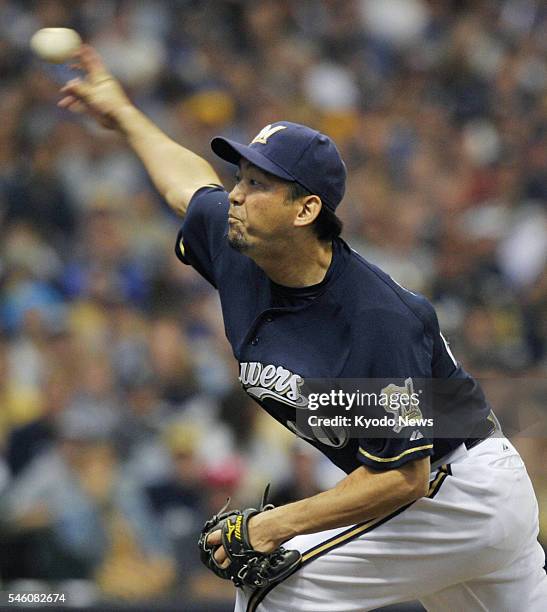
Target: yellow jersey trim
(387,459)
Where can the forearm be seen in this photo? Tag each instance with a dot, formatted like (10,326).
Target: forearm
(362,495)
(175,171)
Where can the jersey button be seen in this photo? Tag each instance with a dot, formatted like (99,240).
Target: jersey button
(254,341)
(269,319)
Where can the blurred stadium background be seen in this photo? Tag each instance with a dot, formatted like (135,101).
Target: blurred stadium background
(121,423)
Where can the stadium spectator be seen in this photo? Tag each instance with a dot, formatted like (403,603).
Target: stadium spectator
(439,110)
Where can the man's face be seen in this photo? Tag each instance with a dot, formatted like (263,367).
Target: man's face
(260,212)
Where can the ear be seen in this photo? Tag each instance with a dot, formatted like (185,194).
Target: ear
(310,207)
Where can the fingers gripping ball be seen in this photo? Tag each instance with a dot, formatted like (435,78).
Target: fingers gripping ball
(55,45)
(247,567)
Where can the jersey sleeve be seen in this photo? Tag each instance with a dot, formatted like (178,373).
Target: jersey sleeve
(204,230)
(400,367)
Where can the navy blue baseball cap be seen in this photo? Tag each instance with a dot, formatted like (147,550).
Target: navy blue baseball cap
(292,152)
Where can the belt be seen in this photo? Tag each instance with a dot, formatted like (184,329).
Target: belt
(483,430)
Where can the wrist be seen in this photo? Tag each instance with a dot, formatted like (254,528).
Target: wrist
(125,116)
(274,526)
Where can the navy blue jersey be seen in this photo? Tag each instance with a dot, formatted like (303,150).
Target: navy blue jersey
(356,324)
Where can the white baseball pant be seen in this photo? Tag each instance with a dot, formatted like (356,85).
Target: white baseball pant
(471,544)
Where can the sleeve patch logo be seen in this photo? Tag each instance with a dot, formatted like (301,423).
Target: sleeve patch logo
(403,403)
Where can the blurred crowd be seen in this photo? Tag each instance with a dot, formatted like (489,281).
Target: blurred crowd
(122,426)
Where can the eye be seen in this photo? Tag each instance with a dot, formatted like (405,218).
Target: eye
(254,183)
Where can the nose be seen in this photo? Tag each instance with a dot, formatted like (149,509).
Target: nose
(236,196)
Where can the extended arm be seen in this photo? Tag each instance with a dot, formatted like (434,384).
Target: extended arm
(362,495)
(176,172)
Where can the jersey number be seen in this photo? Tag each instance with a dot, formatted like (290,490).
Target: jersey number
(336,437)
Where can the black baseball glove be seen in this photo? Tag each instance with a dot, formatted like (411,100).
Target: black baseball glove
(248,567)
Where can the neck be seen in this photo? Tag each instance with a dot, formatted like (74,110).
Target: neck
(299,264)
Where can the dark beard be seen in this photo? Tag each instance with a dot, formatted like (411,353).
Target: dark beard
(237,242)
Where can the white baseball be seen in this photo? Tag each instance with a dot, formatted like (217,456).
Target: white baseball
(55,45)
